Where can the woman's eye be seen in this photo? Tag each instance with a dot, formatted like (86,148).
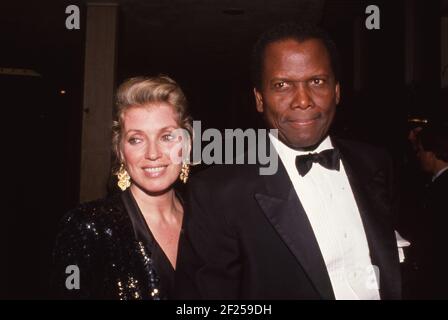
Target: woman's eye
(167,137)
(134,140)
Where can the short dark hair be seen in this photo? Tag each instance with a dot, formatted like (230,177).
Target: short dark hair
(291,30)
(435,140)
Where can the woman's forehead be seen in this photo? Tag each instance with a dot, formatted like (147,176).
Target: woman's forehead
(150,117)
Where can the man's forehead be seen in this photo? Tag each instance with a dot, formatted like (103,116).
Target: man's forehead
(303,44)
(291,56)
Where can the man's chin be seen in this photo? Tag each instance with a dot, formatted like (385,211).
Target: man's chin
(305,143)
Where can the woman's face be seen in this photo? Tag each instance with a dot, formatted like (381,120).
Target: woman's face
(149,141)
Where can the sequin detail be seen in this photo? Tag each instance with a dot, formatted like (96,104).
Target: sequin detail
(98,237)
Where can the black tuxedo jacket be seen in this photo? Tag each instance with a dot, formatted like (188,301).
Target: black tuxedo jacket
(247,236)
(436,197)
(430,248)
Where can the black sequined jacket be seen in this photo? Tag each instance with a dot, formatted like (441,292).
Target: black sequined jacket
(107,240)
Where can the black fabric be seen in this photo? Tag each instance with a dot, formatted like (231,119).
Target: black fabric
(328,159)
(247,236)
(430,245)
(143,233)
(110,243)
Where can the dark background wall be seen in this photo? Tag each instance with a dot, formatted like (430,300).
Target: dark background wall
(205,46)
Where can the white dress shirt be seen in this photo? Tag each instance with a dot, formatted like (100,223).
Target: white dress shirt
(328,200)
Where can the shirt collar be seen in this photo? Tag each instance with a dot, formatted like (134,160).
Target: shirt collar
(289,154)
(438,174)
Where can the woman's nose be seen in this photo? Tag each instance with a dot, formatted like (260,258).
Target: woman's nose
(153,151)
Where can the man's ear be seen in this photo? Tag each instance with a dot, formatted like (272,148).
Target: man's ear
(337,92)
(258,100)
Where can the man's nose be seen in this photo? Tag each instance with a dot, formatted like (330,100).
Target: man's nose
(153,151)
(302,98)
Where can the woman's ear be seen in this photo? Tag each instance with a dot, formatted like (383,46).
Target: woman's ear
(120,154)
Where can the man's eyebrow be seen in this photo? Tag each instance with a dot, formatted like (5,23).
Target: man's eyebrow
(280,79)
(321,75)
(286,79)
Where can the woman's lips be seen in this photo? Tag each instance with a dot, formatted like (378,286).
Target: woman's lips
(154,171)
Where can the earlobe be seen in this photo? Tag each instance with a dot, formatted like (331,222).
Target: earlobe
(338,93)
(258,100)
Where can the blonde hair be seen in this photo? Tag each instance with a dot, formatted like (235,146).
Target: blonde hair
(140,91)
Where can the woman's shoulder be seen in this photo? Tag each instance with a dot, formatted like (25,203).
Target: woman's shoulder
(93,236)
(94,224)
(97,212)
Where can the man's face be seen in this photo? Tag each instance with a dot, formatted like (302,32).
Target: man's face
(299,93)
(426,159)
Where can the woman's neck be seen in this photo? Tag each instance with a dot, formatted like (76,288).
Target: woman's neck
(160,208)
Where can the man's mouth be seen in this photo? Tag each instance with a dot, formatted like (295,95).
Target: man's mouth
(303,122)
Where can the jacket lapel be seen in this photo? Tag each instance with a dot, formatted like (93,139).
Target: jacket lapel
(370,190)
(282,207)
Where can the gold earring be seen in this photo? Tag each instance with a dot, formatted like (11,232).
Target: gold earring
(124,180)
(184,172)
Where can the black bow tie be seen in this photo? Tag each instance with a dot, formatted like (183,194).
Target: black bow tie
(328,159)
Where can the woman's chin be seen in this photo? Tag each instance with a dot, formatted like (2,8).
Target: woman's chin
(155,188)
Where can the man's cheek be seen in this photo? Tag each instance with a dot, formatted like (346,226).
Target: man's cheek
(273,118)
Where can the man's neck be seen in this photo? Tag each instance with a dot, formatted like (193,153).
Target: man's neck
(324,143)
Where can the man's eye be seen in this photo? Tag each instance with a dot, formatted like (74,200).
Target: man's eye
(317,82)
(134,140)
(280,85)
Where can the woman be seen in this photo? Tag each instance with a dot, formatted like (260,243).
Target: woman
(125,246)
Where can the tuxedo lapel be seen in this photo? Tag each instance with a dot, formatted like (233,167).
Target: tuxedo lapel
(282,207)
(370,191)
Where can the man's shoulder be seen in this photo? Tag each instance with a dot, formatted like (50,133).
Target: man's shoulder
(228,171)
(355,145)
(442,182)
(361,150)
(227,174)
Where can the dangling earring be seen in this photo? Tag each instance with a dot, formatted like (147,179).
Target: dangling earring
(124,180)
(184,172)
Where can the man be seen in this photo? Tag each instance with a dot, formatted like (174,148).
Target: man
(311,230)
(431,242)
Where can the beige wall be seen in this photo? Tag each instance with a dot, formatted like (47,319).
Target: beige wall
(99,82)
